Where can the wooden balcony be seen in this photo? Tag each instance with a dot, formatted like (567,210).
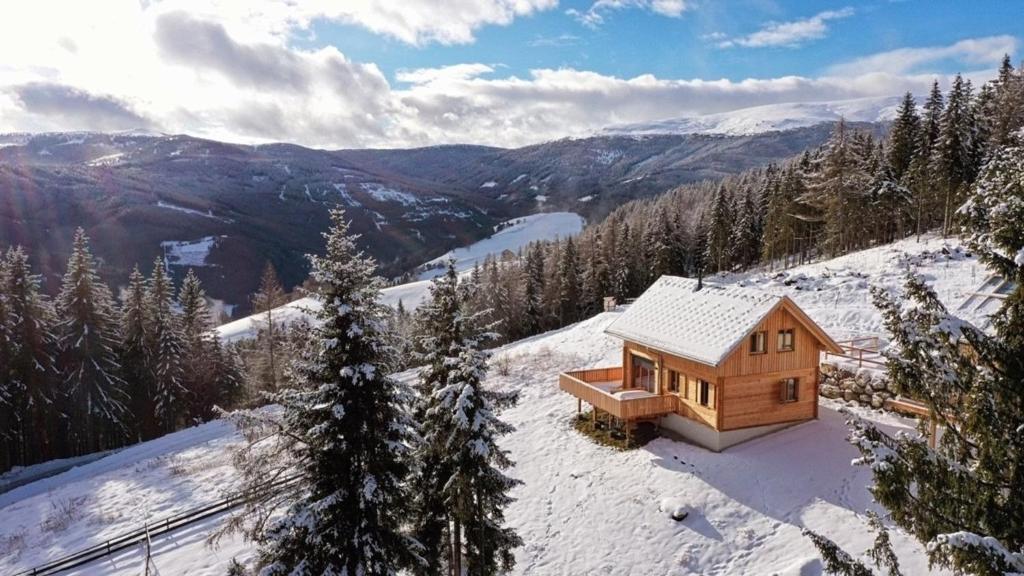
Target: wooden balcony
(602,389)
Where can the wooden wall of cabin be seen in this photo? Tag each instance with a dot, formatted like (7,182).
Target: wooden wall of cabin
(690,375)
(756,400)
(805,353)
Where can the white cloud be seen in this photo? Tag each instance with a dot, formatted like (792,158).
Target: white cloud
(453,72)
(972,51)
(594,16)
(789,34)
(239,78)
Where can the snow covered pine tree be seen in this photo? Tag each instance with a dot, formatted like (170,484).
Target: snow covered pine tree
(965,498)
(91,383)
(351,434)
(460,488)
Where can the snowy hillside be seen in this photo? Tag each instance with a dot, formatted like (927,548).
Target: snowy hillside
(513,235)
(768,118)
(583,508)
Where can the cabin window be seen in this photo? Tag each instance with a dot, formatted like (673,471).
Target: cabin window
(673,381)
(643,374)
(786,340)
(704,389)
(758,342)
(790,387)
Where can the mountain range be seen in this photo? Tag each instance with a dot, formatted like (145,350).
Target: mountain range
(224,209)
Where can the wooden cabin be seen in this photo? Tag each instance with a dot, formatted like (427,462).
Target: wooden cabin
(718,365)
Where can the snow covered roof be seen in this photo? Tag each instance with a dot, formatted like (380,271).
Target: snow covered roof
(705,325)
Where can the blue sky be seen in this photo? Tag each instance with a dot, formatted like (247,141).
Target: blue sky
(390,73)
(632,41)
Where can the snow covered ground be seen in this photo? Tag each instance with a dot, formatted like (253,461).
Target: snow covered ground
(836,293)
(189,252)
(583,509)
(521,232)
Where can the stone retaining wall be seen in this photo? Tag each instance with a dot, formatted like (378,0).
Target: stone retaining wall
(864,386)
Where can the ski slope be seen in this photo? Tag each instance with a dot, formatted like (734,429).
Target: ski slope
(514,234)
(583,509)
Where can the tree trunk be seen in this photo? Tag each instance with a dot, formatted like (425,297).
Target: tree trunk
(456,548)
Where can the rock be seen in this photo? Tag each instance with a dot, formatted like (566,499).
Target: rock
(849,396)
(847,383)
(876,401)
(864,398)
(878,384)
(830,391)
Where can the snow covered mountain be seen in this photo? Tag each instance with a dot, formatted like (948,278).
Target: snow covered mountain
(768,118)
(583,508)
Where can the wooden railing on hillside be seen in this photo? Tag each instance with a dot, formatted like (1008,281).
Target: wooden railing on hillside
(865,350)
(580,383)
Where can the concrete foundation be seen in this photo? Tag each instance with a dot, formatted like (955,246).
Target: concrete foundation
(712,439)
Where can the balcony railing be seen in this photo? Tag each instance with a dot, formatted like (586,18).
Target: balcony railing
(602,389)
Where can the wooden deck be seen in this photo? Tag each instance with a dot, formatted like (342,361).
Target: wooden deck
(600,387)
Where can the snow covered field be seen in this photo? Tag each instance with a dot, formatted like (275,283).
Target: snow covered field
(584,509)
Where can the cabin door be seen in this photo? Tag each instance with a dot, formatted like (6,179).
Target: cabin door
(643,374)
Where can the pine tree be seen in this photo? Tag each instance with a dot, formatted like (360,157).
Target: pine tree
(91,388)
(1009,104)
(964,498)
(746,234)
(596,276)
(932,120)
(462,489)
(165,350)
(839,186)
(135,356)
(622,276)
(719,232)
(904,137)
(269,296)
(535,320)
(29,378)
(954,154)
(568,284)
(349,432)
(210,376)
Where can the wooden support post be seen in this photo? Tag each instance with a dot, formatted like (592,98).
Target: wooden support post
(579,406)
(932,431)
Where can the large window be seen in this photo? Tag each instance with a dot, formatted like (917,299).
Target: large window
(673,381)
(758,343)
(786,340)
(643,374)
(790,389)
(704,392)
